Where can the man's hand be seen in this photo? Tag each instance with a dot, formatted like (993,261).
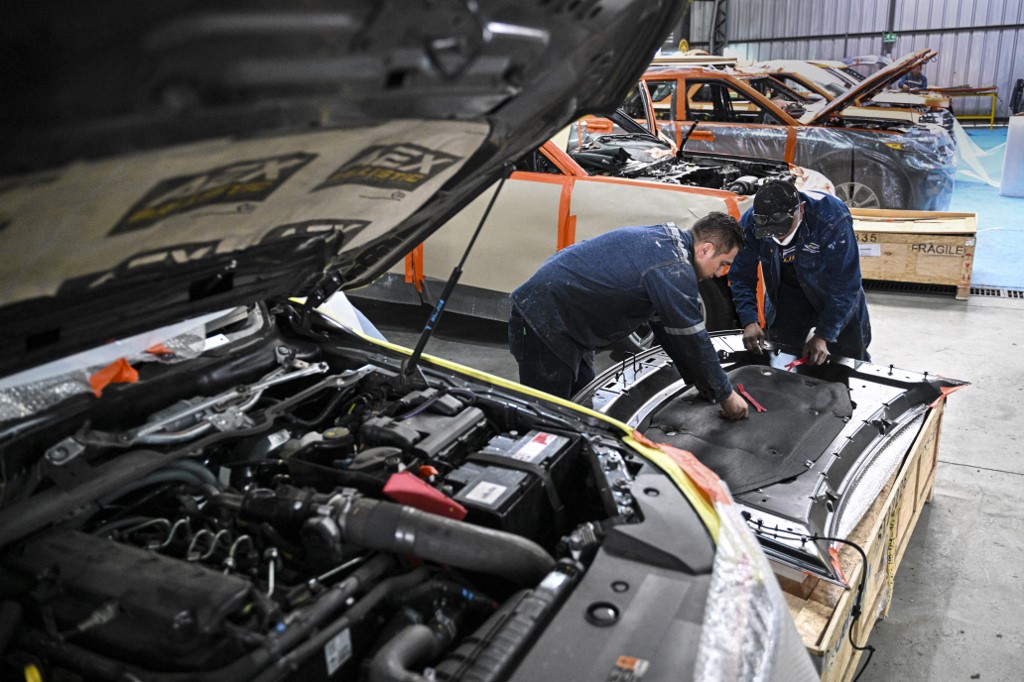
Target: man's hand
(753,338)
(734,407)
(816,351)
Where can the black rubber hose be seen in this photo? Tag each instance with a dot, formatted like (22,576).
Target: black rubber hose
(290,662)
(29,515)
(412,647)
(404,530)
(304,623)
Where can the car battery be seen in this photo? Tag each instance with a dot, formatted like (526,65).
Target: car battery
(513,483)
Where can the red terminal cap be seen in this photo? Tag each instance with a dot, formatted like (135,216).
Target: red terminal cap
(406,488)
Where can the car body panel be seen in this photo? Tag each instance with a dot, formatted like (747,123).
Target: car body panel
(535,215)
(807,78)
(876,82)
(195,79)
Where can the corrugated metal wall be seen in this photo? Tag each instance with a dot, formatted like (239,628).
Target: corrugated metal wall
(980,42)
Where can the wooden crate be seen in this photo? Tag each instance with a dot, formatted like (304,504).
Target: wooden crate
(821,610)
(923,247)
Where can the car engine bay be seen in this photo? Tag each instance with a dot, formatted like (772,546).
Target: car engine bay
(632,156)
(317,498)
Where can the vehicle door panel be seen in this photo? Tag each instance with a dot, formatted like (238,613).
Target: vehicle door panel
(602,204)
(730,122)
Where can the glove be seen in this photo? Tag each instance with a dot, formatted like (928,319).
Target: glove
(753,338)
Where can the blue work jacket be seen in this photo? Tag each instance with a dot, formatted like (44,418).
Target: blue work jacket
(594,293)
(827,267)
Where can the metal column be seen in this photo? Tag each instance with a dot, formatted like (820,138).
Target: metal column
(719,39)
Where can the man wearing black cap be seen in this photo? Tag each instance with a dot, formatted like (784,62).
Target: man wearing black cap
(810,263)
(593,293)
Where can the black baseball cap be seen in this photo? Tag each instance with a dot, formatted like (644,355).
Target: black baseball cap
(774,205)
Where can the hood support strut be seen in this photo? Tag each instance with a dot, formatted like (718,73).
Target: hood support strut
(410,371)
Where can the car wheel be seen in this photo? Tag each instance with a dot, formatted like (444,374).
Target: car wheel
(641,339)
(715,304)
(873,185)
(857,195)
(719,310)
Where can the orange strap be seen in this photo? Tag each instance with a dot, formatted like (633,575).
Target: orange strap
(414,268)
(159,349)
(566,221)
(733,206)
(760,296)
(790,153)
(945,392)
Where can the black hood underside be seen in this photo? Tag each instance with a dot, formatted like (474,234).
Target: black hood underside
(164,160)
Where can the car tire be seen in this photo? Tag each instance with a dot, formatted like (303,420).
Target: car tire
(641,339)
(716,305)
(719,310)
(873,185)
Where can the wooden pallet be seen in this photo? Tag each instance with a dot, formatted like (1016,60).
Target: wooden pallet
(821,610)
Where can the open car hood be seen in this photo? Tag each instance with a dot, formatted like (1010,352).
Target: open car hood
(873,84)
(811,464)
(169,162)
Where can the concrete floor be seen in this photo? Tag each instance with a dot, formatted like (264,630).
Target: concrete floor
(958,602)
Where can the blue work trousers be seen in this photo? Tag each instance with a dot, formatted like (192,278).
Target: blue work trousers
(794,318)
(539,367)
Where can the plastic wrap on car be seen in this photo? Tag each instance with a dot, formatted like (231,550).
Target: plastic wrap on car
(20,401)
(878,470)
(921,162)
(747,634)
(977,164)
(807,180)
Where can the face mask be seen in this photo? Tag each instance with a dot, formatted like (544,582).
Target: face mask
(787,240)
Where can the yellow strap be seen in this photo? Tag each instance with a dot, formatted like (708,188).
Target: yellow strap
(32,674)
(890,557)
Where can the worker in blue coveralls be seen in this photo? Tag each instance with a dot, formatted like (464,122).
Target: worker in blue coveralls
(594,293)
(915,81)
(810,262)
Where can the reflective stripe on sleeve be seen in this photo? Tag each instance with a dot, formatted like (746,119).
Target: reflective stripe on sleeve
(685,331)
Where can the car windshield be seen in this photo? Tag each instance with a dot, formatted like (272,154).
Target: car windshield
(776,91)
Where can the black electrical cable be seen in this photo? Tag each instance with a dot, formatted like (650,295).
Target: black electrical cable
(858,603)
(329,409)
(867,647)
